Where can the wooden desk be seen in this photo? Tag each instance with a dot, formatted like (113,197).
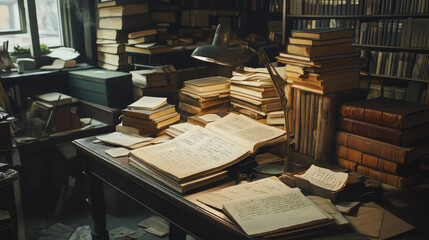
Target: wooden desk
(182,214)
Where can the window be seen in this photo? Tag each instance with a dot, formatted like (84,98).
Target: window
(15,28)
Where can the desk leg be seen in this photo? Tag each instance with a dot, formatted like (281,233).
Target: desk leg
(98,209)
(176,233)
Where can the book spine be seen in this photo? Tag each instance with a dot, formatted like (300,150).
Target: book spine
(302,118)
(347,164)
(306,122)
(385,119)
(372,131)
(349,154)
(297,113)
(394,180)
(318,149)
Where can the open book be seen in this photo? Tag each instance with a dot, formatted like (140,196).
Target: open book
(200,152)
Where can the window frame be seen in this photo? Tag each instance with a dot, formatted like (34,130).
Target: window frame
(22,19)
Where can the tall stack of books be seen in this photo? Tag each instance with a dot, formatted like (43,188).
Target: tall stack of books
(118,18)
(204,95)
(321,60)
(383,138)
(253,93)
(160,81)
(149,115)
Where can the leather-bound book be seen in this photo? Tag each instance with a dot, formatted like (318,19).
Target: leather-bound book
(387,112)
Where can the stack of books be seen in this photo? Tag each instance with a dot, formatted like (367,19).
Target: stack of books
(117,19)
(383,138)
(321,60)
(149,115)
(204,95)
(158,81)
(253,93)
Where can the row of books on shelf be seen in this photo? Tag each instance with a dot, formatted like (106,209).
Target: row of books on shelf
(413,92)
(302,24)
(411,32)
(358,7)
(383,138)
(399,64)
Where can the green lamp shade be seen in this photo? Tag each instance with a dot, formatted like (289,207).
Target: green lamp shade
(216,52)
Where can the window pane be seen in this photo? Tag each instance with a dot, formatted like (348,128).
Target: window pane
(9,16)
(49,22)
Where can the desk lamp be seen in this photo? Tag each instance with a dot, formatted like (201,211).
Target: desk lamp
(218,53)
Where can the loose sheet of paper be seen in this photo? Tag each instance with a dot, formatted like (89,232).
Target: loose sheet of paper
(117,152)
(325,178)
(184,127)
(327,206)
(244,130)
(148,102)
(121,139)
(155,225)
(194,152)
(210,117)
(266,213)
(264,186)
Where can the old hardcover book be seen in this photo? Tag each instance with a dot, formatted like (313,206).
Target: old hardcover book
(111,48)
(119,35)
(125,22)
(200,111)
(394,180)
(207,84)
(149,114)
(323,33)
(148,50)
(346,164)
(387,112)
(157,123)
(383,150)
(111,67)
(113,59)
(54,98)
(113,3)
(268,107)
(311,42)
(148,103)
(123,10)
(317,51)
(225,142)
(201,103)
(142,33)
(403,137)
(144,39)
(154,77)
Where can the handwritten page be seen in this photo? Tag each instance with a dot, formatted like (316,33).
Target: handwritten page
(274,212)
(121,139)
(325,178)
(148,102)
(192,154)
(244,130)
(264,186)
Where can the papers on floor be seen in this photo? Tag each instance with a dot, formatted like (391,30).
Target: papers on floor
(325,178)
(155,225)
(124,140)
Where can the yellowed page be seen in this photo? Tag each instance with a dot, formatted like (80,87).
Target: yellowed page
(264,186)
(196,152)
(325,178)
(271,212)
(244,130)
(121,139)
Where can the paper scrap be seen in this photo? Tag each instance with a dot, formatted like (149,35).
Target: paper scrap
(121,139)
(155,225)
(210,117)
(325,178)
(346,206)
(368,221)
(138,233)
(117,152)
(120,232)
(327,206)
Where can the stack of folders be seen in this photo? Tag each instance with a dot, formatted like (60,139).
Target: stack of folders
(149,115)
(383,138)
(182,165)
(116,20)
(253,93)
(204,95)
(321,60)
(158,82)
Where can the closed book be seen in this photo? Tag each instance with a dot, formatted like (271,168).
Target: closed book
(323,33)
(394,180)
(113,3)
(124,10)
(111,48)
(154,77)
(161,123)
(149,114)
(263,107)
(119,35)
(200,102)
(112,67)
(199,111)
(113,59)
(404,137)
(148,50)
(144,39)
(125,22)
(312,42)
(142,33)
(346,164)
(391,113)
(317,51)
(325,89)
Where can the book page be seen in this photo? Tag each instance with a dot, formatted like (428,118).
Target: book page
(196,152)
(325,178)
(244,130)
(148,102)
(264,186)
(270,212)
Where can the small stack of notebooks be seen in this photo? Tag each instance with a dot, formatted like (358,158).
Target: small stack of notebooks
(253,93)
(117,19)
(204,95)
(149,115)
(158,81)
(321,60)
(383,138)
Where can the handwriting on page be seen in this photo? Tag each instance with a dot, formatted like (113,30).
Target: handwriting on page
(259,187)
(325,178)
(191,153)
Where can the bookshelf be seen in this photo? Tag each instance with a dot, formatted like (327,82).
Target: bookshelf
(383,29)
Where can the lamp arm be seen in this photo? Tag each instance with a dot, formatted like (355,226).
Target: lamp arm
(279,85)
